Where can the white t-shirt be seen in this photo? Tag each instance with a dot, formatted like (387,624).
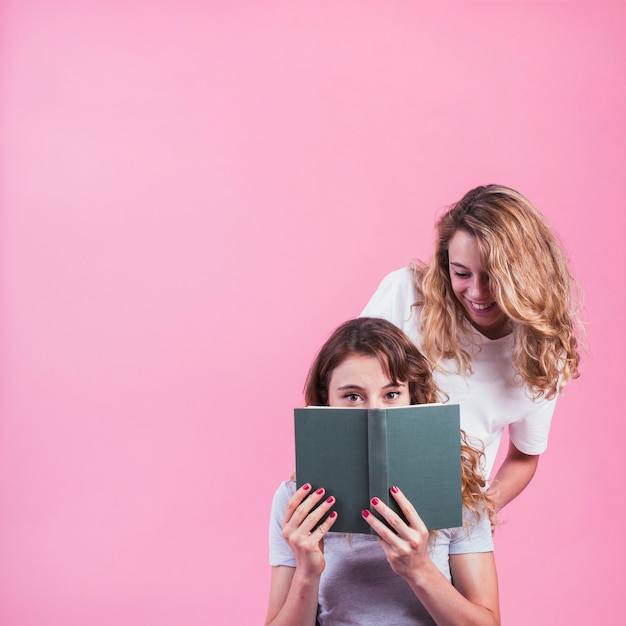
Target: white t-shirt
(358,585)
(493,396)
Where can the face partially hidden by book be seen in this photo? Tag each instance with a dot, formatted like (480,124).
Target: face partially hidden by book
(389,355)
(360,381)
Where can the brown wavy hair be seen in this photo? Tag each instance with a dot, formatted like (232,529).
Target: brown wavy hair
(531,284)
(402,362)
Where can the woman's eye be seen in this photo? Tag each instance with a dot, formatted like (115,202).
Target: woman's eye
(461,275)
(353,397)
(392,395)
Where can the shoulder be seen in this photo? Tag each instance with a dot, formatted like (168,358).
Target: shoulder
(399,279)
(394,298)
(474,536)
(279,551)
(285,490)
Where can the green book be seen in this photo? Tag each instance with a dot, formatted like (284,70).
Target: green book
(356,454)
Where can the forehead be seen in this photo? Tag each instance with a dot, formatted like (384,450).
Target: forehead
(463,248)
(359,369)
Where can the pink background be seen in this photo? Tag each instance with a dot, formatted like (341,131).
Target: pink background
(193,195)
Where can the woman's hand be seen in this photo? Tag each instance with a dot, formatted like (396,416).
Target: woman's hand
(306,541)
(473,599)
(406,548)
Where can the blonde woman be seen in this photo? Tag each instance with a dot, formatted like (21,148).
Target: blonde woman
(494,314)
(409,576)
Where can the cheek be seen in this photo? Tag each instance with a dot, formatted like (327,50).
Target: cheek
(457,287)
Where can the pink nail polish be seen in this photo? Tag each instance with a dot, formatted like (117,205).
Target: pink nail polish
(333,515)
(375,501)
(394,489)
(331,499)
(306,487)
(320,491)
(365,513)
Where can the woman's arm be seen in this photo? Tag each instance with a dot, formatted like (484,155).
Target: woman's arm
(294,590)
(293,597)
(473,599)
(513,476)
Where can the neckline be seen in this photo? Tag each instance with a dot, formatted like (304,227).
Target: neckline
(487,340)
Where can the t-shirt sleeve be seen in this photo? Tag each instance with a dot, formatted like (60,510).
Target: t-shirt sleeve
(474,536)
(530,434)
(394,299)
(280,552)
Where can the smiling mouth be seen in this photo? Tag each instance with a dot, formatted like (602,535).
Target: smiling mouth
(482,307)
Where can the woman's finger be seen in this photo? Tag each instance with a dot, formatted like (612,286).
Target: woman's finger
(302,512)
(407,508)
(295,500)
(313,518)
(327,524)
(396,526)
(302,502)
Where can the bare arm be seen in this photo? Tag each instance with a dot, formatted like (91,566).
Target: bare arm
(513,476)
(472,600)
(293,597)
(294,590)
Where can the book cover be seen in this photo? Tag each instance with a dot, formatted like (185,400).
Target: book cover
(356,454)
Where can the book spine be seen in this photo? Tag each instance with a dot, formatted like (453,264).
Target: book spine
(377,454)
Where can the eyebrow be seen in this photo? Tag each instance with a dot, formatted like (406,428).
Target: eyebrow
(343,387)
(457,264)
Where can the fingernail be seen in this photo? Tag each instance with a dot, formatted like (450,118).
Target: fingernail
(306,486)
(375,501)
(320,491)
(331,499)
(333,515)
(394,489)
(365,513)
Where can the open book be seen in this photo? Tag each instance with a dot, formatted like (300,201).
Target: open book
(356,454)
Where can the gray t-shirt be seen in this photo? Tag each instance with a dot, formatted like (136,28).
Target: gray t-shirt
(358,586)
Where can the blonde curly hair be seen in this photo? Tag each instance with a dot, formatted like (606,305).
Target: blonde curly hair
(531,284)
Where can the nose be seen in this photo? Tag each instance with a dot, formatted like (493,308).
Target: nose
(480,288)
(375,403)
